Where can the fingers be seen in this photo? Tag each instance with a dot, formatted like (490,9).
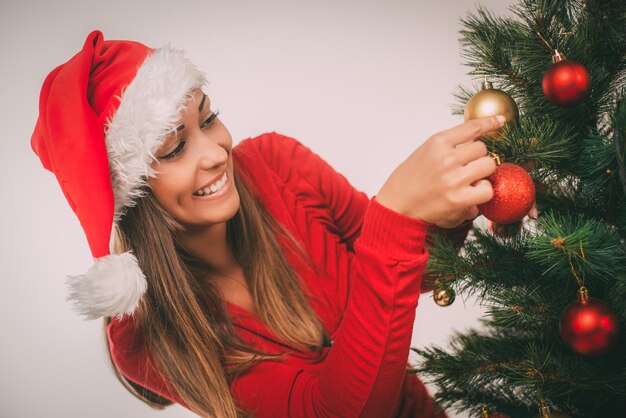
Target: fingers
(470,151)
(472,129)
(471,212)
(456,219)
(478,193)
(476,170)
(483,190)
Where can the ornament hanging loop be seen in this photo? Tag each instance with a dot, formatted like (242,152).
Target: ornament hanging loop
(582,251)
(546,43)
(557,57)
(581,282)
(495,157)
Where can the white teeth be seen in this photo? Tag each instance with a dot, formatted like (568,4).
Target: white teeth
(213,188)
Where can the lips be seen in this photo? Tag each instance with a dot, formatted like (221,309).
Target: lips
(206,190)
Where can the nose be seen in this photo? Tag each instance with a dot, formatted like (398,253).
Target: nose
(212,153)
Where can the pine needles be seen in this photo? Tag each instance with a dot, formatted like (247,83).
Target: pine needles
(576,156)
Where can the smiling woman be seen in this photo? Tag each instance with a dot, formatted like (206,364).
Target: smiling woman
(251,280)
(190,166)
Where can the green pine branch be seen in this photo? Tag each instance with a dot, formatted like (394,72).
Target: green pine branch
(576,157)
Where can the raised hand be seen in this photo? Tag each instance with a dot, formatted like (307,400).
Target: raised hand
(443,180)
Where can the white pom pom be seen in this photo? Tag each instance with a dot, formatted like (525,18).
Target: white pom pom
(113,286)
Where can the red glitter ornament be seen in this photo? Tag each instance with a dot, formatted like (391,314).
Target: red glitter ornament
(588,325)
(513,195)
(566,82)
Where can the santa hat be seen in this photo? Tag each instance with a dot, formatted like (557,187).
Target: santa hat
(102,115)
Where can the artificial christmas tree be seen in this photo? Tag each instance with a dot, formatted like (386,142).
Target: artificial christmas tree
(544,348)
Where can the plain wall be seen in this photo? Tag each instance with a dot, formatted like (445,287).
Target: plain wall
(362,83)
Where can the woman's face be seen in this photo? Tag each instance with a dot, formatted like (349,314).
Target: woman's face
(193,161)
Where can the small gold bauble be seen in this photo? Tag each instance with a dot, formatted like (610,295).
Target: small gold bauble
(484,412)
(444,295)
(490,102)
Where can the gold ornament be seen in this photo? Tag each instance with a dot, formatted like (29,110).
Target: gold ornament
(490,102)
(443,295)
(484,412)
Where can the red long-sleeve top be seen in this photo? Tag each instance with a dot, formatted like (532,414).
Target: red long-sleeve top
(372,259)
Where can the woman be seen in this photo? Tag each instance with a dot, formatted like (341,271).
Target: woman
(251,280)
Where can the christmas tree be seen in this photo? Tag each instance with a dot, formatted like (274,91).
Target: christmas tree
(553,340)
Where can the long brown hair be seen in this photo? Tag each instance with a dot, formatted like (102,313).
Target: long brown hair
(182,319)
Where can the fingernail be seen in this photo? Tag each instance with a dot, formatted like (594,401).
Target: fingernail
(501,119)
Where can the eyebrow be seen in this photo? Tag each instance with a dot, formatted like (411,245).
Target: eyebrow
(182,125)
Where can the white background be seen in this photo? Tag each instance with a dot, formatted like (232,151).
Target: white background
(362,83)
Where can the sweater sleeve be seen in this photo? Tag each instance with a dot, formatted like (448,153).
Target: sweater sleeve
(329,195)
(129,354)
(363,373)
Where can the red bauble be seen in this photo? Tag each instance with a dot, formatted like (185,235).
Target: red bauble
(589,327)
(513,194)
(566,83)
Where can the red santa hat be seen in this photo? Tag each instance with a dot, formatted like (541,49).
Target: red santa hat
(102,115)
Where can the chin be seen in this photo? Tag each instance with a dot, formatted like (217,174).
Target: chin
(222,213)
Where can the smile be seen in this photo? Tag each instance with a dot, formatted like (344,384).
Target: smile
(213,188)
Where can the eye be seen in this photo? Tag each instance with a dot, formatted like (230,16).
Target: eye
(208,121)
(176,151)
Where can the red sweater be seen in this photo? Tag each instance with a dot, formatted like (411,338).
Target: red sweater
(372,259)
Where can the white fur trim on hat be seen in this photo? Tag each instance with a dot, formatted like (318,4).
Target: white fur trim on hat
(113,286)
(149,110)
